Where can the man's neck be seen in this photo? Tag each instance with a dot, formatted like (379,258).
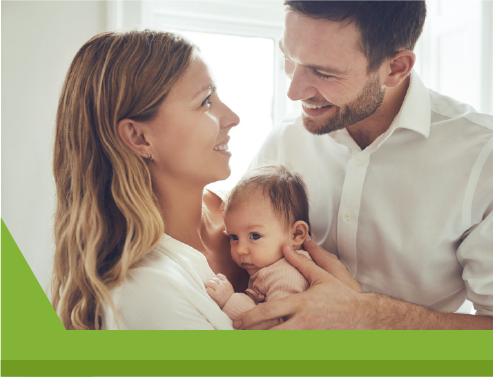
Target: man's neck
(365,132)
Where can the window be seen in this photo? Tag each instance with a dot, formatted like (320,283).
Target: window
(455,52)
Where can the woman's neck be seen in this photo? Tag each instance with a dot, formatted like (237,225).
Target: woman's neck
(182,212)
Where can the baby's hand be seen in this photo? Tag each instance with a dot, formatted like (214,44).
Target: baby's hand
(220,289)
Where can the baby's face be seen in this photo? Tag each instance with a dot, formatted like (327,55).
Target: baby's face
(256,235)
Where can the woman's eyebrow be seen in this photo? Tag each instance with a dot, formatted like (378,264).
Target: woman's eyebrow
(210,87)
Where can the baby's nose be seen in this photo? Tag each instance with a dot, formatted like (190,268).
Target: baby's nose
(242,250)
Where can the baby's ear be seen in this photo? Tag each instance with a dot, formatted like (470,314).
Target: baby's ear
(300,232)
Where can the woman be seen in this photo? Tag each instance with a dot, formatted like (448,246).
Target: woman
(140,131)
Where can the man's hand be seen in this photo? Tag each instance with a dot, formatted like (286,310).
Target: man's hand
(220,289)
(333,300)
(328,261)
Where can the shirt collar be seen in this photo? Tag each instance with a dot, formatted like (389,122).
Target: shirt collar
(415,113)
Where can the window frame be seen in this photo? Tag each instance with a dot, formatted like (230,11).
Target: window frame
(252,18)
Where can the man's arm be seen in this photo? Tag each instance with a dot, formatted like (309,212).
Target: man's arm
(335,301)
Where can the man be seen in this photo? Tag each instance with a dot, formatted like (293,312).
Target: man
(400,178)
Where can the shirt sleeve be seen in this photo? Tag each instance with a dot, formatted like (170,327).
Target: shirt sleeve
(149,300)
(237,304)
(475,253)
(240,303)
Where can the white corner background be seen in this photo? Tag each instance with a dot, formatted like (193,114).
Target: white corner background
(40,38)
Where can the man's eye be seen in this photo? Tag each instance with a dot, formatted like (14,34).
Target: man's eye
(233,237)
(255,236)
(206,101)
(321,75)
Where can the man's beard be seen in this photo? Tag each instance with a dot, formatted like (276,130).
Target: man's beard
(366,104)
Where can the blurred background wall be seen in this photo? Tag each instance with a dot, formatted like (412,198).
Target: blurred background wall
(39,40)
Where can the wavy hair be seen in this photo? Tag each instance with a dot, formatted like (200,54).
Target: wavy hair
(107,217)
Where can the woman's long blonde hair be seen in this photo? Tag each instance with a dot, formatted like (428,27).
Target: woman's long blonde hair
(107,217)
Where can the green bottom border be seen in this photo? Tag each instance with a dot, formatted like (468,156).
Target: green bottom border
(247,368)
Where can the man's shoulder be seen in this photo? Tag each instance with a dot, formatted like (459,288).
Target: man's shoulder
(291,124)
(448,110)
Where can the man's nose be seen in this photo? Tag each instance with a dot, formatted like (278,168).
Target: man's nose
(300,87)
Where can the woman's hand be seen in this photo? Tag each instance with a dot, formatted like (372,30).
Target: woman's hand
(220,289)
(333,300)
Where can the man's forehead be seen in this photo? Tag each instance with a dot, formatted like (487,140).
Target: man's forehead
(314,42)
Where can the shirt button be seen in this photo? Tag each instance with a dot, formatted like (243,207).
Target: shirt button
(347,216)
(358,160)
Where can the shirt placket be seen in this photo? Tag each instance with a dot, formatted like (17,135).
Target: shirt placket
(347,221)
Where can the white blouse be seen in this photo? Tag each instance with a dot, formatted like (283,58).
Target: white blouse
(166,292)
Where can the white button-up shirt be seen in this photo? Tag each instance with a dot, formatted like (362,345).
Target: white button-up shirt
(411,215)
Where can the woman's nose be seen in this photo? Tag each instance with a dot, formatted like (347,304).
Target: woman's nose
(229,119)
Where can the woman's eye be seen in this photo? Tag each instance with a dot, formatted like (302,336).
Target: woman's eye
(206,101)
(233,237)
(256,236)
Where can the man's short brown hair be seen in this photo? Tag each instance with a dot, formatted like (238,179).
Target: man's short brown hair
(285,190)
(386,27)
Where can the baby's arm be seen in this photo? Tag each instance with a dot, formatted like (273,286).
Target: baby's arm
(220,289)
(233,304)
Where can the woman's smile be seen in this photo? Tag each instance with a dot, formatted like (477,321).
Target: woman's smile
(222,147)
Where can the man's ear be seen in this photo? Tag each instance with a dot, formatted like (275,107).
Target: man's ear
(131,133)
(400,66)
(299,230)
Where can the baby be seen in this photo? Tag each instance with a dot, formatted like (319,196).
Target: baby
(266,210)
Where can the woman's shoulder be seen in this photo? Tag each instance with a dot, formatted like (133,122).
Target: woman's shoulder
(171,260)
(155,276)
(165,291)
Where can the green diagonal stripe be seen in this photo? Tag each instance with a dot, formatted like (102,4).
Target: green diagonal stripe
(247,368)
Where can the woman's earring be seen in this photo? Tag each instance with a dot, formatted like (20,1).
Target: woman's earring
(147,159)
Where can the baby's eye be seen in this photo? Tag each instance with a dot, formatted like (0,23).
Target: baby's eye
(233,237)
(255,236)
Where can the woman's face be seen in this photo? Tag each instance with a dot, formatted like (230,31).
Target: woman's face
(189,136)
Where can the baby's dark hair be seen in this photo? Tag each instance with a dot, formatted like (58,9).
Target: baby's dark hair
(285,190)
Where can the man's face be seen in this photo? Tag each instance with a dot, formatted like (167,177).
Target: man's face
(329,73)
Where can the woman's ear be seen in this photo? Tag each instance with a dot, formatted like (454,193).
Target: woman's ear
(131,133)
(400,66)
(299,230)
